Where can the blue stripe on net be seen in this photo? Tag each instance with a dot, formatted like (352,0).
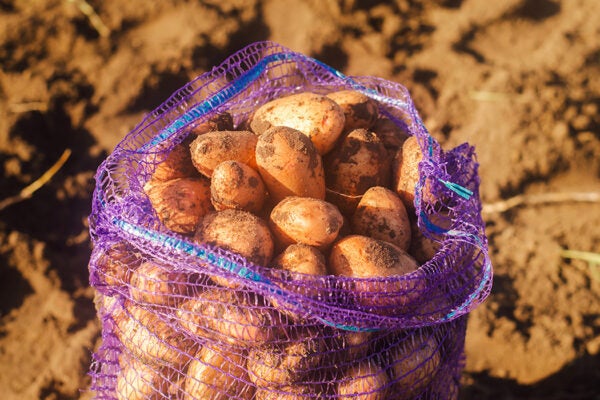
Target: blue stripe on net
(221,262)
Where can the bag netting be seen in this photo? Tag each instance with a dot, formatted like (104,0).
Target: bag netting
(269,333)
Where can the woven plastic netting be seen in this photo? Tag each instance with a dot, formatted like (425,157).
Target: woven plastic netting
(185,320)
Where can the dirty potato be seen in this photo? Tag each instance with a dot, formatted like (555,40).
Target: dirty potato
(290,392)
(237,186)
(391,134)
(114,263)
(358,163)
(406,174)
(366,380)
(414,363)
(360,111)
(305,220)
(218,122)
(180,203)
(238,231)
(301,258)
(211,149)
(380,214)
(364,257)
(316,116)
(217,375)
(176,164)
(286,364)
(157,284)
(153,338)
(139,381)
(229,316)
(289,164)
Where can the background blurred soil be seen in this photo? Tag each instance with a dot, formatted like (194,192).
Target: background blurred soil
(516,78)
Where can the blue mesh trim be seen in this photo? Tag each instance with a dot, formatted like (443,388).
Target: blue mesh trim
(212,103)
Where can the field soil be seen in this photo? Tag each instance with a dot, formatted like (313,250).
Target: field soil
(518,79)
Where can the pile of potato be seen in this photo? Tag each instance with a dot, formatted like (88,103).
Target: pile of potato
(312,184)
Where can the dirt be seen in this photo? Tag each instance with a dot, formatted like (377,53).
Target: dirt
(516,78)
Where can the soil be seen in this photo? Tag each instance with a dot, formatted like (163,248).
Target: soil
(516,78)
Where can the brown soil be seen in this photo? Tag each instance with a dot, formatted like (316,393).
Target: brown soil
(516,78)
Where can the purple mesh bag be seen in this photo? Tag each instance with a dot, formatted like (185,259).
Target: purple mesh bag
(269,333)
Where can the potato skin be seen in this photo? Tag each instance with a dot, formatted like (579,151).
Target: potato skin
(229,316)
(380,214)
(289,164)
(364,257)
(406,174)
(138,381)
(360,111)
(283,365)
(301,258)
(290,392)
(358,163)
(152,338)
(180,203)
(176,164)
(218,122)
(392,135)
(414,363)
(318,117)
(211,149)
(216,375)
(364,381)
(237,186)
(239,231)
(115,264)
(305,220)
(158,285)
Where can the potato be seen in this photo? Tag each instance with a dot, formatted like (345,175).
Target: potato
(352,346)
(211,149)
(290,392)
(391,134)
(176,164)
(380,214)
(153,338)
(316,116)
(236,185)
(286,364)
(218,122)
(289,164)
(240,232)
(301,258)
(364,381)
(364,257)
(360,111)
(139,381)
(414,363)
(305,220)
(157,284)
(406,174)
(181,202)
(229,316)
(104,304)
(358,163)
(217,375)
(114,263)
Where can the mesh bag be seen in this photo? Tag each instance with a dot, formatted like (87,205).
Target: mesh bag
(269,333)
